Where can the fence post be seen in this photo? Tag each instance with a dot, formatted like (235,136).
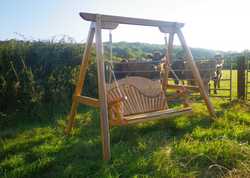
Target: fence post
(241,68)
(247,78)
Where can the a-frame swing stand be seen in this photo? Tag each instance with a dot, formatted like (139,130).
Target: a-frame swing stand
(99,22)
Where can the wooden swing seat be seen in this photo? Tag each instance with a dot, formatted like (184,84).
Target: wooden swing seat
(150,116)
(138,99)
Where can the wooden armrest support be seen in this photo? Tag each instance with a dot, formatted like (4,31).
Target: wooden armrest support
(88,101)
(120,99)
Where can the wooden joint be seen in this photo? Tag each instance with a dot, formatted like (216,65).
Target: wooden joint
(167,29)
(106,25)
(109,25)
(118,100)
(118,122)
(88,101)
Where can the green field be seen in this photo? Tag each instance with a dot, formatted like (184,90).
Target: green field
(185,146)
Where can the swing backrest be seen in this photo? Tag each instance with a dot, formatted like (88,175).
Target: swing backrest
(141,95)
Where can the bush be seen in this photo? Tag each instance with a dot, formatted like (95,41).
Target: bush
(38,74)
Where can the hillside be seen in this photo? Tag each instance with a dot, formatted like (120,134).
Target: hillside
(139,50)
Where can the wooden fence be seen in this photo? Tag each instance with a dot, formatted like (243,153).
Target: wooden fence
(247,83)
(243,78)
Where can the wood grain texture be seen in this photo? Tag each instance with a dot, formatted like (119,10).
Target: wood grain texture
(80,83)
(102,92)
(196,73)
(146,86)
(88,101)
(131,21)
(162,114)
(142,95)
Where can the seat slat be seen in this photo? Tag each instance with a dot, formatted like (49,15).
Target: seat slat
(133,100)
(150,104)
(136,99)
(130,99)
(162,103)
(163,114)
(139,100)
(156,113)
(142,101)
(159,102)
(127,108)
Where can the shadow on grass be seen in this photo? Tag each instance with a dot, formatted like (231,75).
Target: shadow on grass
(79,155)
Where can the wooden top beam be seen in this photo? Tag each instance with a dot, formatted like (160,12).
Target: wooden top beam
(130,21)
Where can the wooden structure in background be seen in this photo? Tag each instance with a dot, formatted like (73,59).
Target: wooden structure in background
(241,77)
(154,108)
(248,80)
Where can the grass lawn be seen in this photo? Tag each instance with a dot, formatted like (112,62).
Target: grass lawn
(185,146)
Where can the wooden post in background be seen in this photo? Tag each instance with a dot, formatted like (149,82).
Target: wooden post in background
(241,77)
(247,78)
(231,78)
(102,91)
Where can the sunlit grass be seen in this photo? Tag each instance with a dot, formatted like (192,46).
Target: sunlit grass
(186,146)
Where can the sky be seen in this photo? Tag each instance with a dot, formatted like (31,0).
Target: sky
(212,24)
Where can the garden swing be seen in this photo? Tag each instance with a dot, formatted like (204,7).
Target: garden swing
(136,99)
(132,99)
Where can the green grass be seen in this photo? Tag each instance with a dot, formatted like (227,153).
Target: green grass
(185,146)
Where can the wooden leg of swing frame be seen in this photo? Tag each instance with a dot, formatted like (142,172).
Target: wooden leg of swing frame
(196,74)
(102,92)
(80,82)
(71,116)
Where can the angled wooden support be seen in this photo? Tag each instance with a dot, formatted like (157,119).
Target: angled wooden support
(88,101)
(102,91)
(79,85)
(95,28)
(196,73)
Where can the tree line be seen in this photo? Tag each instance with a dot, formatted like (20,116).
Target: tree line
(42,74)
